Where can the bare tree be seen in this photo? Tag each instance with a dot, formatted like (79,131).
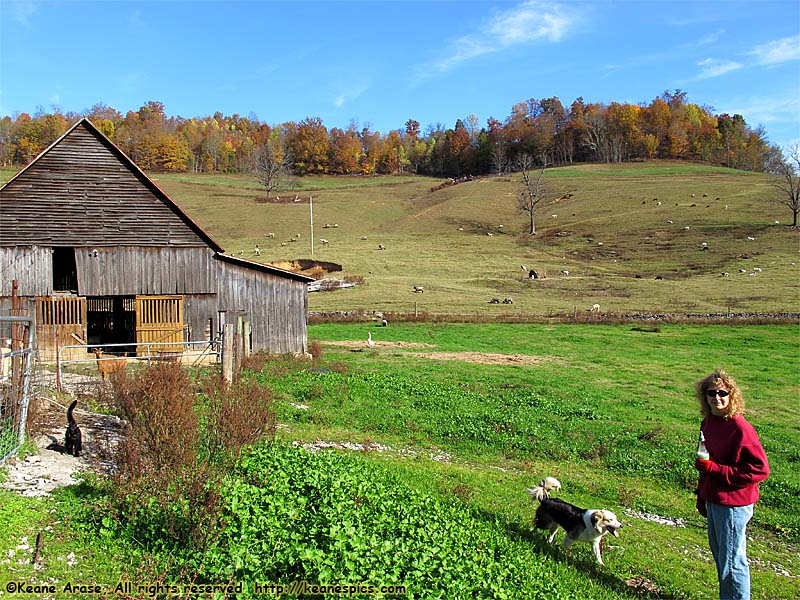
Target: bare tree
(533,189)
(499,159)
(271,164)
(786,168)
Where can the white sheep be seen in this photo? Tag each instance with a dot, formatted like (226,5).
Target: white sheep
(595,308)
(564,272)
(381,247)
(523,267)
(257,250)
(726,274)
(269,235)
(508,300)
(750,239)
(757,269)
(418,289)
(494,300)
(323,241)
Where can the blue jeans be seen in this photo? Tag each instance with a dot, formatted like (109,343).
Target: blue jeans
(726,536)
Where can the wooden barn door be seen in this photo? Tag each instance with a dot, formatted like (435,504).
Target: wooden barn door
(60,321)
(159,319)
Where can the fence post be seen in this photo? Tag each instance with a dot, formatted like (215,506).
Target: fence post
(228,335)
(246,333)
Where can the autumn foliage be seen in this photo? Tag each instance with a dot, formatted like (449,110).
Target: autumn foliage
(668,127)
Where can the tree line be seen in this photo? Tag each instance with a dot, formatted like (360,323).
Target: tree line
(668,127)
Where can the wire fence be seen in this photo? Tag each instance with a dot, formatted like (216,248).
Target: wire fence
(16,364)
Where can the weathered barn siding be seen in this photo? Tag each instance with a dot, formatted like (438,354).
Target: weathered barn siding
(83,191)
(128,271)
(275,306)
(31,266)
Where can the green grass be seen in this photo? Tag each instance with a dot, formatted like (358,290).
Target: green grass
(608,409)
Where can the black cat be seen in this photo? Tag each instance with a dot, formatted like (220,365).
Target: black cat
(72,437)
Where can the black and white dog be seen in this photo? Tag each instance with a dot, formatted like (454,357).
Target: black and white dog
(72,437)
(580,524)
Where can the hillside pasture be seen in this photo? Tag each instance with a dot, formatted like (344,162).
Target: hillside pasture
(630,236)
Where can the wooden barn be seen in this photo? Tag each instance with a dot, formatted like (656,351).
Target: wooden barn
(100,254)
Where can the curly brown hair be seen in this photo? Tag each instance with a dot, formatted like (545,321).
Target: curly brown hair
(720,378)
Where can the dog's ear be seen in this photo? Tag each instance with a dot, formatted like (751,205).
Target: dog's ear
(598,518)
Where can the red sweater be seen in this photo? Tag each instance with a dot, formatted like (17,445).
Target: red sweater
(741,462)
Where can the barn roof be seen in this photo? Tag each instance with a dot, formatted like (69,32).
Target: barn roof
(83,190)
(241,262)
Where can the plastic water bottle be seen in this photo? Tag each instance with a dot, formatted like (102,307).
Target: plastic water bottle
(702,452)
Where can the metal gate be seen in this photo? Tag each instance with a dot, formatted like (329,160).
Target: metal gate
(160,319)
(16,364)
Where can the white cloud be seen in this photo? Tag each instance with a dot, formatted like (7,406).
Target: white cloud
(777,51)
(352,92)
(526,23)
(22,11)
(711,67)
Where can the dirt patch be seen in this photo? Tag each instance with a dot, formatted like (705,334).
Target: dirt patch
(287,199)
(376,343)
(40,474)
(485,358)
(306,266)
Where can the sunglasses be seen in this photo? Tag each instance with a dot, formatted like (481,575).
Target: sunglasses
(713,393)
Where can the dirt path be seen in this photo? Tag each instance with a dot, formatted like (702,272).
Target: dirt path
(39,474)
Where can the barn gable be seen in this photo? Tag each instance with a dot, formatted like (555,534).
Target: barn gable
(89,193)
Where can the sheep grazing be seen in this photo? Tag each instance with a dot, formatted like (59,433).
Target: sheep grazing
(658,203)
(107,366)
(757,269)
(326,226)
(523,267)
(564,272)
(257,250)
(508,300)
(363,238)
(686,228)
(269,235)
(461,229)
(335,225)
(381,247)
(489,233)
(384,323)
(418,289)
(494,300)
(726,274)
(750,239)
(323,241)
(533,274)
(595,308)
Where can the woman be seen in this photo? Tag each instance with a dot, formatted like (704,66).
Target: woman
(728,485)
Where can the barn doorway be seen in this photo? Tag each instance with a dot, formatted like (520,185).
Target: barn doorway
(65,273)
(111,320)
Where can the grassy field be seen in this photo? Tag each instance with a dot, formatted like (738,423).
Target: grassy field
(630,236)
(612,237)
(450,442)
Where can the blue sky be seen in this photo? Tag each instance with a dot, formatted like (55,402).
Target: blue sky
(382,63)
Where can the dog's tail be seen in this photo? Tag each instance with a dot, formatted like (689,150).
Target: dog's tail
(542,491)
(70,418)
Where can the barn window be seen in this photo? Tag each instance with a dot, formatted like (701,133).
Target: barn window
(65,274)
